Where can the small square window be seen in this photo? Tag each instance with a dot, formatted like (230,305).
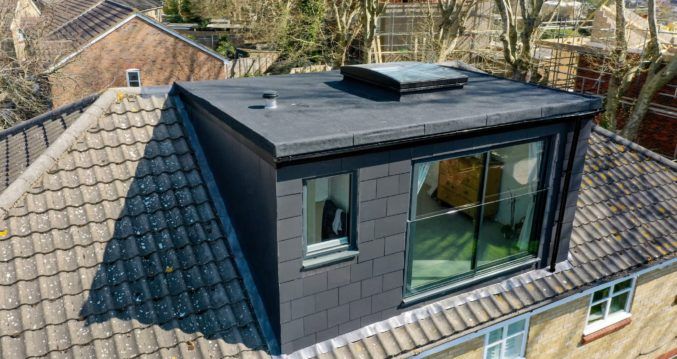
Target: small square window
(327,214)
(133,78)
(507,342)
(609,305)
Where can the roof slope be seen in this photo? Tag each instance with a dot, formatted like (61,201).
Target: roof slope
(22,144)
(91,23)
(116,248)
(626,219)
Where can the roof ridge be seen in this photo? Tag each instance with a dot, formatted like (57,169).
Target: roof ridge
(643,150)
(49,157)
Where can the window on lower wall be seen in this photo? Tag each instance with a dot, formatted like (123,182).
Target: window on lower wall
(133,78)
(609,305)
(474,214)
(508,342)
(327,214)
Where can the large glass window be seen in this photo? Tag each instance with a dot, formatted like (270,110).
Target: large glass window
(472,213)
(327,212)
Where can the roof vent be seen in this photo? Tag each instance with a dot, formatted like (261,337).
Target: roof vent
(271,99)
(403,77)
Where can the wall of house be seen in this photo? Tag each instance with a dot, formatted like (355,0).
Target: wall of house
(247,185)
(162,59)
(557,333)
(319,304)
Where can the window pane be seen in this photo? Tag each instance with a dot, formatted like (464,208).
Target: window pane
(495,335)
(596,312)
(441,248)
(327,209)
(622,285)
(516,327)
(493,352)
(513,347)
(600,294)
(443,185)
(511,194)
(618,303)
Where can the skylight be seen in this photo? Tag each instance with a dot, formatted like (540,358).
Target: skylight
(405,77)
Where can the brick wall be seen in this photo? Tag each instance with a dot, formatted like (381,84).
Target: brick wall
(557,333)
(472,349)
(319,304)
(658,131)
(162,59)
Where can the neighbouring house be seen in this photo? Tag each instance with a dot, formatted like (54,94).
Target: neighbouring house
(399,210)
(590,56)
(120,41)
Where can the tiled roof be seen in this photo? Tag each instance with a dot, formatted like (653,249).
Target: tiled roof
(626,219)
(112,247)
(91,23)
(22,144)
(59,12)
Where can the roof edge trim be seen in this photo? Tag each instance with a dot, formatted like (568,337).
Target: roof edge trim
(51,155)
(231,235)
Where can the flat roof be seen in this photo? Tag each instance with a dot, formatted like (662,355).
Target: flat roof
(320,112)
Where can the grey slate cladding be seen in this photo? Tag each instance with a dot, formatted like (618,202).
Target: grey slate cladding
(348,294)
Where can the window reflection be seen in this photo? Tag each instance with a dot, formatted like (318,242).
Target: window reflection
(472,212)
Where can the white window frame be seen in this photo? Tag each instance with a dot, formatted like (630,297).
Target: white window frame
(610,319)
(138,74)
(504,337)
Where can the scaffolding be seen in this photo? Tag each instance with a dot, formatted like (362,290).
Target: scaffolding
(569,54)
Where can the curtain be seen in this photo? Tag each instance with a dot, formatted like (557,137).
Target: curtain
(423,169)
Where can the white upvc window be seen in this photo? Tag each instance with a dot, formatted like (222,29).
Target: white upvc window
(507,342)
(133,78)
(609,305)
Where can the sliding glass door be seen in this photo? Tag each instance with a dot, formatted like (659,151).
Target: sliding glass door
(473,212)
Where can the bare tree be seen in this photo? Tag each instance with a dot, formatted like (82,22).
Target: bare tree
(23,78)
(661,70)
(445,23)
(518,37)
(371,9)
(344,26)
(620,68)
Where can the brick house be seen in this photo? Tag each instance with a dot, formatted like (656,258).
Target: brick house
(333,221)
(659,127)
(119,41)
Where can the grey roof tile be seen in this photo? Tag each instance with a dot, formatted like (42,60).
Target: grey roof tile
(118,251)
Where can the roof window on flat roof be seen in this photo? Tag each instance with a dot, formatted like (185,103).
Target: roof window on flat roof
(403,77)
